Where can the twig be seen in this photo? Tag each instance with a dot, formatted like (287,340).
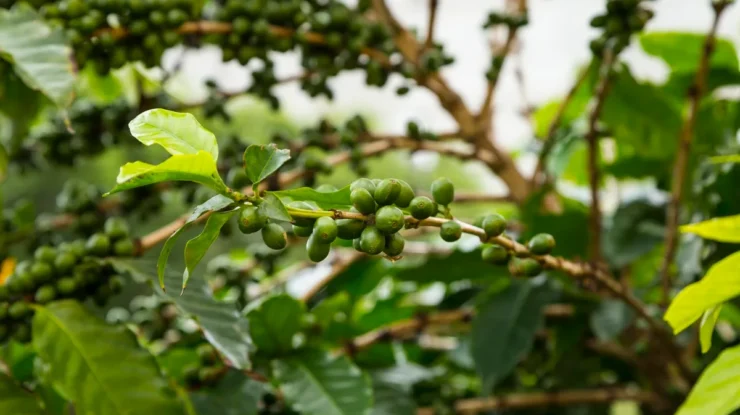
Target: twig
(430,27)
(486,108)
(464,197)
(337,268)
(696,91)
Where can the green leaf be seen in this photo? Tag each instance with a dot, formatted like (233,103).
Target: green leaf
(178,133)
(716,392)
(220,321)
(726,229)
(38,53)
(610,319)
(81,351)
(16,400)
(721,283)
(261,160)
(198,168)
(215,203)
(332,200)
(235,394)
(273,322)
(454,267)
(732,158)
(682,51)
(197,247)
(706,327)
(316,384)
(273,208)
(504,328)
(3,163)
(389,399)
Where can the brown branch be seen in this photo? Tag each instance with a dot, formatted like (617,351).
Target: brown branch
(487,107)
(696,91)
(337,268)
(430,26)
(465,197)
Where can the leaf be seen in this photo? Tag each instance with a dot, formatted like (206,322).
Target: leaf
(610,319)
(316,384)
(721,283)
(235,394)
(178,133)
(197,247)
(38,53)
(220,321)
(331,200)
(391,400)
(82,351)
(716,391)
(634,230)
(725,229)
(504,329)
(261,160)
(273,322)
(3,163)
(732,158)
(273,208)
(198,168)
(16,400)
(215,203)
(682,51)
(706,327)
(454,267)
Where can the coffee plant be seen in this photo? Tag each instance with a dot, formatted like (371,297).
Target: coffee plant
(235,269)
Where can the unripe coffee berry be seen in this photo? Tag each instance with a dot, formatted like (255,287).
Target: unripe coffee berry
(450,231)
(325,230)
(421,207)
(443,191)
(394,245)
(372,241)
(316,250)
(494,225)
(389,219)
(541,244)
(251,220)
(387,192)
(274,236)
(363,201)
(495,254)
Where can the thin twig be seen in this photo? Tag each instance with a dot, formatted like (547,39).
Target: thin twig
(430,27)
(696,91)
(337,268)
(486,108)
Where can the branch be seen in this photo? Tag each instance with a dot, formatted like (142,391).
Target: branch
(696,91)
(430,26)
(486,111)
(463,197)
(338,267)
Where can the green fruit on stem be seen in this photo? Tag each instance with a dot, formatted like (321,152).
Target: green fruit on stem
(450,231)
(301,221)
(372,241)
(124,248)
(116,227)
(394,245)
(98,245)
(421,207)
(316,250)
(325,230)
(494,225)
(363,183)
(443,191)
(64,262)
(40,272)
(495,254)
(349,229)
(405,196)
(363,201)
(66,286)
(387,191)
(525,267)
(251,220)
(389,219)
(356,244)
(541,244)
(45,253)
(274,236)
(302,231)
(45,294)
(19,310)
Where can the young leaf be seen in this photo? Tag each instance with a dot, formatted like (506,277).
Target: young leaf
(16,400)
(38,53)
(198,168)
(733,158)
(178,133)
(235,394)
(273,322)
(716,392)
(315,384)
(721,283)
(273,208)
(706,327)
(332,200)
(261,161)
(725,229)
(196,248)
(99,367)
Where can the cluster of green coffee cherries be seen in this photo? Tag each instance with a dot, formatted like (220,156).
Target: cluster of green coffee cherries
(69,270)
(207,371)
(622,19)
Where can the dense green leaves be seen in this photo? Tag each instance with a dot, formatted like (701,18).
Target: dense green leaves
(726,229)
(261,161)
(38,53)
(82,352)
(15,400)
(235,394)
(197,247)
(329,200)
(316,384)
(716,392)
(178,133)
(389,399)
(610,319)
(273,322)
(682,51)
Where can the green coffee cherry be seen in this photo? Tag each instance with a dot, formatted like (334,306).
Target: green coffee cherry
(325,230)
(300,221)
(524,267)
(251,220)
(372,241)
(478,222)
(422,207)
(494,225)
(394,245)
(349,229)
(64,262)
(98,245)
(443,191)
(495,254)
(316,250)
(541,244)
(40,272)
(389,219)
(450,231)
(363,183)
(363,201)
(45,253)
(387,192)
(45,294)
(124,247)
(66,286)
(356,244)
(405,195)
(116,227)
(19,310)
(274,236)
(302,231)
(207,354)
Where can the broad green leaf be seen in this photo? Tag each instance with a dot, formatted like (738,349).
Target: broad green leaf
(331,200)
(389,399)
(610,319)
(314,383)
(38,53)
(273,322)
(261,160)
(716,392)
(720,284)
(567,158)
(215,203)
(16,400)
(273,208)
(197,247)
(198,168)
(682,51)
(732,158)
(83,351)
(235,394)
(503,330)
(178,133)
(726,229)
(706,327)
(19,103)
(633,231)
(454,267)
(220,321)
